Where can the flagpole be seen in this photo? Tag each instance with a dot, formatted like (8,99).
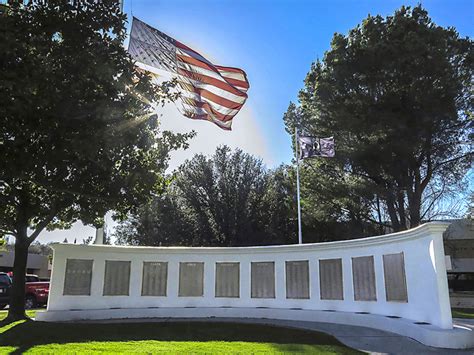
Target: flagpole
(300,234)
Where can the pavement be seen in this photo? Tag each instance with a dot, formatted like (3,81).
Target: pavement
(368,340)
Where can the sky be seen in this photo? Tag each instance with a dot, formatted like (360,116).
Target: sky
(274,42)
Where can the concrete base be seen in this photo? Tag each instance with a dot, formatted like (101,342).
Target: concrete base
(460,337)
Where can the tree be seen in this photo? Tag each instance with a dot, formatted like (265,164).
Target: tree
(79,135)
(229,199)
(395,93)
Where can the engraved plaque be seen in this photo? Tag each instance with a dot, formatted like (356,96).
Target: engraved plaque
(263,280)
(227,279)
(117,278)
(155,276)
(191,279)
(395,279)
(297,279)
(330,279)
(78,278)
(363,276)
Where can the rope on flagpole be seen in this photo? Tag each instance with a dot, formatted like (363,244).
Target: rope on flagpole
(300,234)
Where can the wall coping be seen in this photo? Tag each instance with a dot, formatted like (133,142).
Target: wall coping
(411,234)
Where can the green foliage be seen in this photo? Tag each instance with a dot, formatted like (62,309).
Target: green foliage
(229,199)
(74,139)
(78,135)
(395,94)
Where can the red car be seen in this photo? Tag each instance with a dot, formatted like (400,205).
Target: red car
(36,291)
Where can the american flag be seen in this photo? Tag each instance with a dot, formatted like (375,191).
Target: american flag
(207,91)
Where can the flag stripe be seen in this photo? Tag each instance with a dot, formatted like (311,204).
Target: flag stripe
(196,62)
(211,96)
(187,95)
(207,109)
(230,69)
(232,75)
(208,80)
(216,75)
(207,117)
(202,102)
(191,52)
(212,89)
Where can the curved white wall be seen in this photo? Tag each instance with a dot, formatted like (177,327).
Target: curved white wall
(422,248)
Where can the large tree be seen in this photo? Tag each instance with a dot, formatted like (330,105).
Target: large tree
(396,94)
(229,199)
(78,134)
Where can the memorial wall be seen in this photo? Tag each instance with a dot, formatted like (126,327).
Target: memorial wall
(400,275)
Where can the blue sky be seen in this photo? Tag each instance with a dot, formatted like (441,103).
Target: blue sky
(275,42)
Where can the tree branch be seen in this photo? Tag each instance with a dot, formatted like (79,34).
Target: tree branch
(42,225)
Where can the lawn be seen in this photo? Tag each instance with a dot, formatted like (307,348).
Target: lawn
(463,313)
(170,337)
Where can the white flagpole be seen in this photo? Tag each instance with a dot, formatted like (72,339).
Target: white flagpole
(300,234)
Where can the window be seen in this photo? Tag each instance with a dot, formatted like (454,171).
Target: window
(154,278)
(5,280)
(117,278)
(263,280)
(297,279)
(191,279)
(330,279)
(31,278)
(78,277)
(227,279)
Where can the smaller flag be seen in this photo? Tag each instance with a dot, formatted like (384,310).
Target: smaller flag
(316,147)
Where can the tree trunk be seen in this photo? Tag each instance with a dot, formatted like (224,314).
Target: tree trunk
(392,212)
(415,210)
(17,293)
(401,210)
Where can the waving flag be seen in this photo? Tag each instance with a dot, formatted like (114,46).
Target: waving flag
(207,91)
(316,147)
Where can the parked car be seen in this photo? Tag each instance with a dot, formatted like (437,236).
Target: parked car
(36,291)
(5,285)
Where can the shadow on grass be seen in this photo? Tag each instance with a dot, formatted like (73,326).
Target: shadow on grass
(24,335)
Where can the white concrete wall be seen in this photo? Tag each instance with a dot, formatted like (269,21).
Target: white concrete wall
(428,297)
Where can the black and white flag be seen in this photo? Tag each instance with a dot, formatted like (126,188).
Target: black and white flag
(316,147)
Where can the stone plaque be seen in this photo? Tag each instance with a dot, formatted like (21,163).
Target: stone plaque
(155,276)
(297,279)
(78,277)
(191,279)
(117,278)
(263,279)
(395,279)
(227,279)
(330,279)
(363,276)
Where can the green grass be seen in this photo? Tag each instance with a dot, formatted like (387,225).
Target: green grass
(166,337)
(463,313)
(170,337)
